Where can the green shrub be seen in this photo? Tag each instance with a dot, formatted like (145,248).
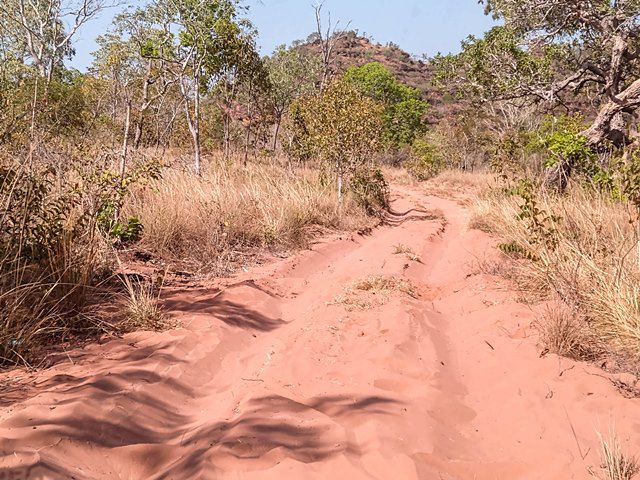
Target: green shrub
(426,161)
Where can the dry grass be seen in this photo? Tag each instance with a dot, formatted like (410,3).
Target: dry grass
(49,256)
(616,465)
(407,251)
(451,183)
(212,220)
(592,264)
(398,176)
(142,308)
(374,291)
(563,332)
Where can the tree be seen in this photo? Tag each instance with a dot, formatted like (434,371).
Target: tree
(548,49)
(42,31)
(328,40)
(342,128)
(47,27)
(292,73)
(130,61)
(210,42)
(242,66)
(404,109)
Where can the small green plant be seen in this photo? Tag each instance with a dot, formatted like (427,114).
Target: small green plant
(540,224)
(110,193)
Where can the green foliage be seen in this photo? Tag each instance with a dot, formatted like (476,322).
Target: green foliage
(539,223)
(427,159)
(497,66)
(340,127)
(562,139)
(292,73)
(110,191)
(620,178)
(404,109)
(370,190)
(36,217)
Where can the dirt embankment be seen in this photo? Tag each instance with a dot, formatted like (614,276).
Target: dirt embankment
(368,357)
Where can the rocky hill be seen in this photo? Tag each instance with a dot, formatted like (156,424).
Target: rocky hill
(355,50)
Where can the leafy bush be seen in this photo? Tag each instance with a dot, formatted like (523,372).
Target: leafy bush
(340,127)
(426,161)
(110,192)
(49,254)
(370,190)
(562,140)
(404,110)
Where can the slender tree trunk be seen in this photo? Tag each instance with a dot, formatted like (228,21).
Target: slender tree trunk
(193,122)
(247,137)
(227,136)
(276,133)
(125,141)
(138,135)
(32,127)
(145,104)
(196,133)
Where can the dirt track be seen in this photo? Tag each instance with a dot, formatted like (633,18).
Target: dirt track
(270,378)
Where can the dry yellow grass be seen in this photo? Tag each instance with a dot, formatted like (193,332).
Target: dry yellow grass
(231,209)
(407,251)
(454,182)
(374,291)
(592,264)
(616,465)
(142,308)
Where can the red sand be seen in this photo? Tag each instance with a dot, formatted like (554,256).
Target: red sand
(268,378)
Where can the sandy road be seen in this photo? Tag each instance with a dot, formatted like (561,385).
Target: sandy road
(270,378)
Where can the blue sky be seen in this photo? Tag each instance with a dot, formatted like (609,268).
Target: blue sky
(418,26)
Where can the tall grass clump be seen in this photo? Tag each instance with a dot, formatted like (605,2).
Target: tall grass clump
(616,464)
(581,249)
(232,209)
(50,251)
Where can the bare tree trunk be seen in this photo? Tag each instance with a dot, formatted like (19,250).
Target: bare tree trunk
(275,135)
(196,133)
(328,40)
(193,122)
(227,137)
(32,127)
(138,135)
(125,141)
